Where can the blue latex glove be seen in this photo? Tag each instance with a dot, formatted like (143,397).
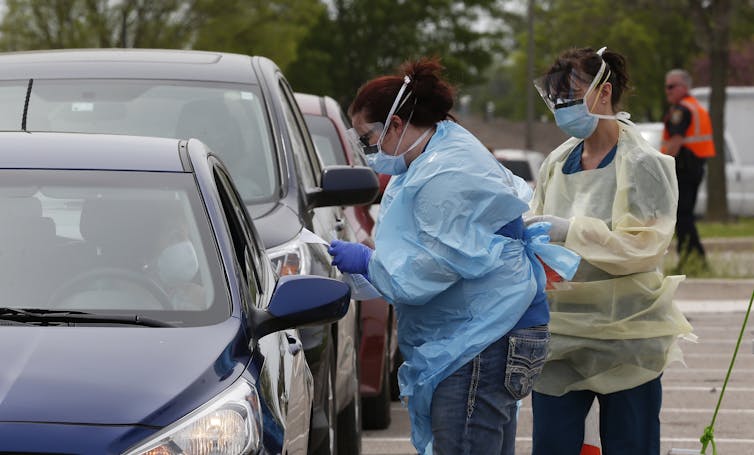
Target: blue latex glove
(558,226)
(350,257)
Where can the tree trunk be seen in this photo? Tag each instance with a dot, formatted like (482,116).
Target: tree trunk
(717,200)
(713,24)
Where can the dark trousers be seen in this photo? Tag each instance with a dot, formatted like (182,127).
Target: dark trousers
(685,226)
(690,171)
(629,421)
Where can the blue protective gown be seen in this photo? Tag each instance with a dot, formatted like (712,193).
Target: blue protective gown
(456,285)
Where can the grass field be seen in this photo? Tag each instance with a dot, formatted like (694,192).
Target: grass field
(730,251)
(741,227)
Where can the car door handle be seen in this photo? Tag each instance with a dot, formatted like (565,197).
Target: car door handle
(294,344)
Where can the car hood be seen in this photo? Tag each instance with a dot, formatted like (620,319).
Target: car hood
(115,375)
(276,224)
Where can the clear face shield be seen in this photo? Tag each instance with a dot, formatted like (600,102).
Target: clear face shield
(563,89)
(363,139)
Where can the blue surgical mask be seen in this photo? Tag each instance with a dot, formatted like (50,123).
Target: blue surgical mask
(383,163)
(576,120)
(178,263)
(572,115)
(387,164)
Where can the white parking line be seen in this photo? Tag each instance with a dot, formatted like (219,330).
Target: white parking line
(712,306)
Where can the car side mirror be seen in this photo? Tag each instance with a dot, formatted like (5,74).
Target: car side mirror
(345,185)
(300,300)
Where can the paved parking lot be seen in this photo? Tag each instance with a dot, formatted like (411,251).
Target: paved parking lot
(690,392)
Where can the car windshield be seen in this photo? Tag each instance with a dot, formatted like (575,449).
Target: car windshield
(229,118)
(110,243)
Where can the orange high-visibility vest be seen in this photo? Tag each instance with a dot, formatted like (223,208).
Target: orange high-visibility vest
(698,136)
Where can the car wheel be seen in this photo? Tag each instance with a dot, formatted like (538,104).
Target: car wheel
(349,420)
(376,410)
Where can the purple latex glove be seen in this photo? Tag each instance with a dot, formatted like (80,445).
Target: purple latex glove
(350,257)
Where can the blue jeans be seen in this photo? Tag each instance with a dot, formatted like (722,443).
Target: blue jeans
(474,409)
(629,421)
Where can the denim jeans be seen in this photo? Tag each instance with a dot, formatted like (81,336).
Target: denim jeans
(474,409)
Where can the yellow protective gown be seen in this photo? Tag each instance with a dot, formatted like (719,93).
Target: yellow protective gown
(614,326)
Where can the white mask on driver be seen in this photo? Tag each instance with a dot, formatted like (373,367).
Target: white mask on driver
(178,263)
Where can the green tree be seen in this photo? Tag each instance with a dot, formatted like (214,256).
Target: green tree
(261,27)
(713,24)
(56,24)
(257,27)
(360,39)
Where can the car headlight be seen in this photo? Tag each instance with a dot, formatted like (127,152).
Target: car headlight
(290,258)
(229,424)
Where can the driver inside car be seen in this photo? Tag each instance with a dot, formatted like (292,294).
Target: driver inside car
(176,267)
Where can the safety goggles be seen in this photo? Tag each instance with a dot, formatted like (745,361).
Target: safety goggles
(562,89)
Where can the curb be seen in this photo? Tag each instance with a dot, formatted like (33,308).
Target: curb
(712,306)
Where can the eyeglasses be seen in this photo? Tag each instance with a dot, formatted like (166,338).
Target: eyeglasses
(670,86)
(363,140)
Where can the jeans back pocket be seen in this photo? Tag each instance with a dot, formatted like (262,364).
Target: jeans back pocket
(527,351)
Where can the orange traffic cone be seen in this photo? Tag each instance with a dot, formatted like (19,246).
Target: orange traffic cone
(592,444)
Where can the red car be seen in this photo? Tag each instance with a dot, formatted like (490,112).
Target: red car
(378,353)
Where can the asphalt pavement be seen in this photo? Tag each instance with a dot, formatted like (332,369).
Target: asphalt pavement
(716,309)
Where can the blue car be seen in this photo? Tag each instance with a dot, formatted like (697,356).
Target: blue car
(243,108)
(140,313)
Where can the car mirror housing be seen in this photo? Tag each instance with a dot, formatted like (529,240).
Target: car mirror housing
(345,185)
(301,300)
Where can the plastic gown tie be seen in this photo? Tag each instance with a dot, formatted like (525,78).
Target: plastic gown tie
(562,260)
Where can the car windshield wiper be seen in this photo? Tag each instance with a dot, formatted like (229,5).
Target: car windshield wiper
(45,315)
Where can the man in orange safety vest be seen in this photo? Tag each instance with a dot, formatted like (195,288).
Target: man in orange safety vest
(687,137)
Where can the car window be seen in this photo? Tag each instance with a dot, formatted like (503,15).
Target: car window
(229,118)
(308,165)
(247,253)
(109,242)
(326,140)
(12,96)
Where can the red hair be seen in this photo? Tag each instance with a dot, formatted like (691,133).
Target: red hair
(428,94)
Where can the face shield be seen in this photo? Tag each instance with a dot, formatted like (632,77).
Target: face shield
(363,139)
(562,89)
